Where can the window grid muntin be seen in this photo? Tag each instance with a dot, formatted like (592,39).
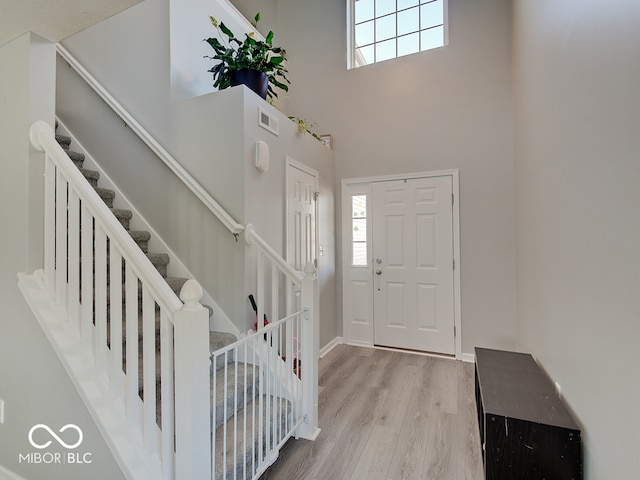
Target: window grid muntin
(418,4)
(359,256)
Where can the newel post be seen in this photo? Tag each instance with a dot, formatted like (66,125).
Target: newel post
(192,390)
(310,346)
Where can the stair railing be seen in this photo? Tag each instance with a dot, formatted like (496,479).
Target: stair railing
(197,189)
(275,278)
(108,289)
(278,283)
(257,399)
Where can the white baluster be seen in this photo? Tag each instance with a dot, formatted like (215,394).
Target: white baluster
(87,276)
(149,370)
(101,298)
(115,300)
(74,259)
(49,222)
(131,329)
(214,396)
(166,362)
(61,240)
(257,395)
(225,390)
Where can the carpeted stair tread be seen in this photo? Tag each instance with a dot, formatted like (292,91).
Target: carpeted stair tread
(231,369)
(240,379)
(246,446)
(123,216)
(141,237)
(77,157)
(160,261)
(176,284)
(107,195)
(63,140)
(91,175)
(218,340)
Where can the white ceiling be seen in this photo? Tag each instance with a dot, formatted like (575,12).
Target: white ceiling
(55,20)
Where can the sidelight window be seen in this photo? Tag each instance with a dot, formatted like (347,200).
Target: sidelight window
(359,230)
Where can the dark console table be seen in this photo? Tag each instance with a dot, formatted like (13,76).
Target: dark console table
(525,430)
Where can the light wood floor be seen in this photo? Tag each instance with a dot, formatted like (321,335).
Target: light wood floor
(388,415)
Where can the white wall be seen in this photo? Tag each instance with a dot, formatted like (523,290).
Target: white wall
(129,54)
(442,109)
(189,20)
(212,136)
(33,383)
(207,249)
(268,11)
(204,134)
(577,75)
(266,205)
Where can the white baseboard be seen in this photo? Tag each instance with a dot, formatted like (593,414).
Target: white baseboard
(468,357)
(356,343)
(6,474)
(330,346)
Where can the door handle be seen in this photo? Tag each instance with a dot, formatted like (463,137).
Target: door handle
(378,272)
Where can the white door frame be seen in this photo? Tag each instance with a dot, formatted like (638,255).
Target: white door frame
(347,186)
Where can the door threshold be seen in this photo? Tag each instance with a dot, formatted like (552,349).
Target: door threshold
(415,352)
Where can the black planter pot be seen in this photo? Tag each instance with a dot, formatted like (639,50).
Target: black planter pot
(255,80)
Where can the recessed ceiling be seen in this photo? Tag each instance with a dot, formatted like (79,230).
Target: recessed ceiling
(55,20)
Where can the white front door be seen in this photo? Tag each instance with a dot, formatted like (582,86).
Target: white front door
(302,185)
(413,281)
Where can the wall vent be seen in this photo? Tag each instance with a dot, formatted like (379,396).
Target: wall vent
(268,121)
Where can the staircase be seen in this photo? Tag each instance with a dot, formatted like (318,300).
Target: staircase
(159,260)
(181,402)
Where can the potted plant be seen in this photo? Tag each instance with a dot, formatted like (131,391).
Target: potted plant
(255,63)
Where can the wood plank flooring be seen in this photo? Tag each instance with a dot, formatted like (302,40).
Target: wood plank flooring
(388,415)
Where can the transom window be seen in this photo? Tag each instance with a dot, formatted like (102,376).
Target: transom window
(385,29)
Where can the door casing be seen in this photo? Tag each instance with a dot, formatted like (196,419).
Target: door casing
(361,331)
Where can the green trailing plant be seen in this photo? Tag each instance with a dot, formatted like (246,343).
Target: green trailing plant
(251,53)
(304,126)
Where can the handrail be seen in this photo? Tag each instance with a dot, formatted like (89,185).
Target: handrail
(252,238)
(197,189)
(43,139)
